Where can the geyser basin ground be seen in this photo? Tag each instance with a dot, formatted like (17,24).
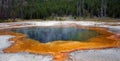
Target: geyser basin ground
(50,34)
(58,48)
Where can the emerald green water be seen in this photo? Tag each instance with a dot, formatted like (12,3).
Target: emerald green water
(49,34)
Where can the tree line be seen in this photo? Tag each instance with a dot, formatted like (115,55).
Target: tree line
(40,9)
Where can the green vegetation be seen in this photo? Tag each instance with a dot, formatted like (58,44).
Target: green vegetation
(42,9)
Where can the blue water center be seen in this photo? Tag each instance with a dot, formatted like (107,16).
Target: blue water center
(49,34)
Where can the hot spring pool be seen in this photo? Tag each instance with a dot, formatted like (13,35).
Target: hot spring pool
(49,34)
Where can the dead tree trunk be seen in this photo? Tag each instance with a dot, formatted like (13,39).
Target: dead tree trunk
(103,8)
(80,8)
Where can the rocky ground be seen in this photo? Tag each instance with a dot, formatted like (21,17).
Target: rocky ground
(111,54)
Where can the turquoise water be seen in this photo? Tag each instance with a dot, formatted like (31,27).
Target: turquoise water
(49,34)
